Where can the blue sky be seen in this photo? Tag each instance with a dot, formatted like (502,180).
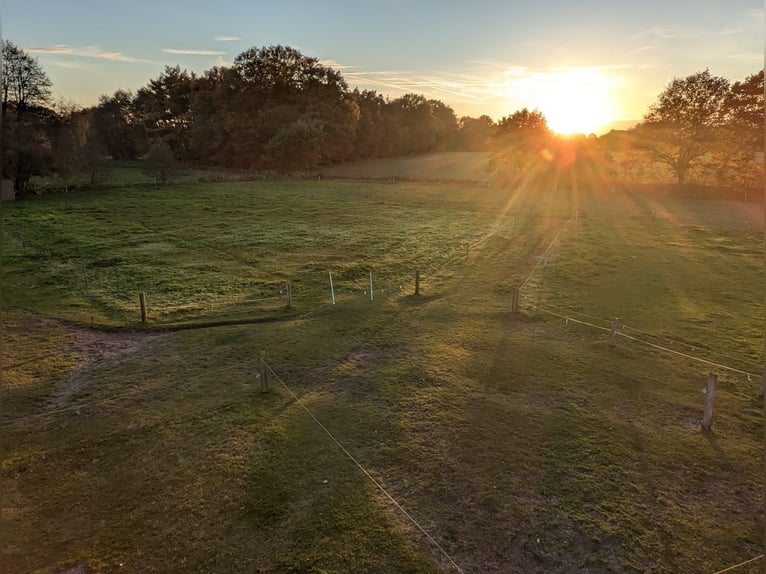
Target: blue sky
(479,57)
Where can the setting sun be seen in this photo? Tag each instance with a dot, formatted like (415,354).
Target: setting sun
(578,101)
(573,100)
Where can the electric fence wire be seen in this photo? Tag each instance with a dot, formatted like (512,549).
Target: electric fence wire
(730,568)
(544,255)
(366,472)
(648,343)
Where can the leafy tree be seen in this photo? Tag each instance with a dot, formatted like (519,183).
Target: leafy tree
(78,151)
(474,133)
(296,145)
(744,109)
(519,139)
(25,83)
(160,163)
(118,125)
(26,117)
(163,107)
(369,129)
(685,122)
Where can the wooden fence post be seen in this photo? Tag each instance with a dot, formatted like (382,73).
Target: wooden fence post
(289,296)
(761,388)
(142,302)
(615,324)
(264,373)
(707,418)
(515,303)
(417,282)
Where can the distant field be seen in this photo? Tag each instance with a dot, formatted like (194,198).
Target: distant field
(445,166)
(521,443)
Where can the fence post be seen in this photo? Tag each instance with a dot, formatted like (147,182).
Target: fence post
(332,289)
(613,336)
(707,418)
(142,302)
(515,303)
(417,282)
(761,388)
(289,296)
(371,297)
(264,373)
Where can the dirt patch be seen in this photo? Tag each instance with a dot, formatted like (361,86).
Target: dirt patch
(91,347)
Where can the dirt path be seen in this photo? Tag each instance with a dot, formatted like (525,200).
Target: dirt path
(90,348)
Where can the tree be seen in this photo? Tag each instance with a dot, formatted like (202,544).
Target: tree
(685,122)
(163,107)
(26,117)
(78,151)
(519,139)
(744,109)
(25,83)
(118,125)
(474,133)
(160,163)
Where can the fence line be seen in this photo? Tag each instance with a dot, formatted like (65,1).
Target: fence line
(366,472)
(544,255)
(637,340)
(730,568)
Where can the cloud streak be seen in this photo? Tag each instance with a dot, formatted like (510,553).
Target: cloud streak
(92,52)
(227,38)
(183,52)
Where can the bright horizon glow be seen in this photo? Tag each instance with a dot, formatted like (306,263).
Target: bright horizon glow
(573,100)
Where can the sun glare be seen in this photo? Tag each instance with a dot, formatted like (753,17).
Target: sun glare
(573,100)
(578,101)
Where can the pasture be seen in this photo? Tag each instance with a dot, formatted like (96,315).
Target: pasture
(527,442)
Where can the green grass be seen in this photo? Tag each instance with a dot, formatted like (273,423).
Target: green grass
(435,166)
(520,442)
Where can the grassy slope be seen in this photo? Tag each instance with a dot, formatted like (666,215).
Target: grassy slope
(520,443)
(444,165)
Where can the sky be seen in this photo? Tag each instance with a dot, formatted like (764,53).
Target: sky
(581,63)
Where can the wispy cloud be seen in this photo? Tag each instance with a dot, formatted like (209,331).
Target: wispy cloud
(335,65)
(227,38)
(193,52)
(669,33)
(643,49)
(86,52)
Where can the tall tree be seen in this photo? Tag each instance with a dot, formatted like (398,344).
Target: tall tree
(26,115)
(78,152)
(118,125)
(519,139)
(685,122)
(25,83)
(474,133)
(163,107)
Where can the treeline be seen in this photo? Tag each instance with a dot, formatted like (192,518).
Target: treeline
(273,109)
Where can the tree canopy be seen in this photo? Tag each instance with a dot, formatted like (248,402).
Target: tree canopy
(684,123)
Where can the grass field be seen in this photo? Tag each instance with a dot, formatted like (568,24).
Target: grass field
(520,443)
(437,166)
